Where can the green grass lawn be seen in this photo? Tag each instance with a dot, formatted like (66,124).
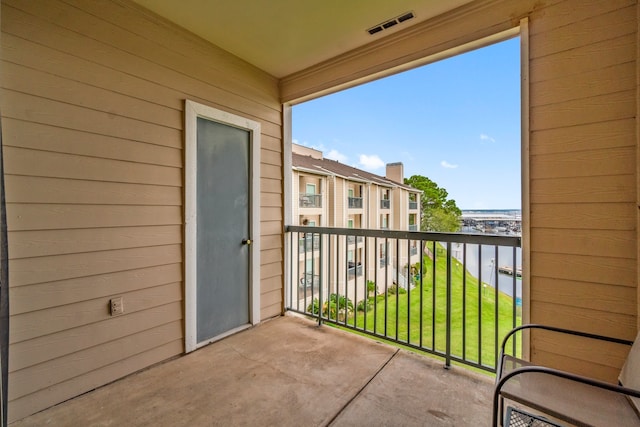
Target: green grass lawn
(406,307)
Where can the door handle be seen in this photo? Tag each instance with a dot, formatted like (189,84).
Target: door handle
(246,241)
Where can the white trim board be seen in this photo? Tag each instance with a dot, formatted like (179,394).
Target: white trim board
(194,110)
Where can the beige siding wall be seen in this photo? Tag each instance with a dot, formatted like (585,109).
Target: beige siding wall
(583,155)
(583,177)
(92,106)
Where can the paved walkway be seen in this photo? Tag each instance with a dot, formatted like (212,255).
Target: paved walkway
(286,372)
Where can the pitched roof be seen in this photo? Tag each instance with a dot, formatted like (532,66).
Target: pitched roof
(333,167)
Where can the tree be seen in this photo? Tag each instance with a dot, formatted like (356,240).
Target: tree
(439,213)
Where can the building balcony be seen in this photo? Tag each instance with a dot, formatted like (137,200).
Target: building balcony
(385,204)
(309,243)
(353,239)
(285,372)
(355,202)
(413,227)
(307,200)
(354,270)
(413,205)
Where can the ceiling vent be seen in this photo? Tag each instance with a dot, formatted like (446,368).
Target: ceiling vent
(391,23)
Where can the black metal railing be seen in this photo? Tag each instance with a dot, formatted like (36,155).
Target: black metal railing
(309,280)
(385,204)
(354,269)
(355,202)
(307,243)
(307,200)
(353,239)
(441,293)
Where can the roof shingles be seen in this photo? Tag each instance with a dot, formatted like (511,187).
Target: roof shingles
(333,167)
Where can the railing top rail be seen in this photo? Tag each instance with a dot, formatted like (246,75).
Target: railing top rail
(481,239)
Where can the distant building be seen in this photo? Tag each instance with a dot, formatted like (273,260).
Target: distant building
(327,193)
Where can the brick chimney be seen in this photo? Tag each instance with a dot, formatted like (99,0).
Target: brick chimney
(395,172)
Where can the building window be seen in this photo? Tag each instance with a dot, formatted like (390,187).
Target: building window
(311,189)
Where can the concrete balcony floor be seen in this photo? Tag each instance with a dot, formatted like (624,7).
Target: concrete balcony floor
(286,372)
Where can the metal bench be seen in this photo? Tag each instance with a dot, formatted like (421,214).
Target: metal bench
(576,399)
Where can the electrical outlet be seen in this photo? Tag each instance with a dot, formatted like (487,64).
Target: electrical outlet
(117,306)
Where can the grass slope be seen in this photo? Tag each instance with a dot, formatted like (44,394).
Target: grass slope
(473,319)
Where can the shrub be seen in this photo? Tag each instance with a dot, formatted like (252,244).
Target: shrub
(337,304)
(365,305)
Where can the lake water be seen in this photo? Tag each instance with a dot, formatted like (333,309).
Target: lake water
(484,265)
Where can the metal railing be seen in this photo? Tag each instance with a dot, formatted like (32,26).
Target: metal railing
(355,202)
(441,293)
(413,227)
(354,270)
(385,203)
(413,205)
(352,239)
(307,243)
(307,200)
(309,280)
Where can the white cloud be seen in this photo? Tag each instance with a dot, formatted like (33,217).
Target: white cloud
(485,137)
(336,155)
(371,162)
(447,165)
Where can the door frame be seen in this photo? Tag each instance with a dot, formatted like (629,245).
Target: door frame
(193,110)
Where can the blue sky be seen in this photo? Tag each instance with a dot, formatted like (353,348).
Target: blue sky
(456,121)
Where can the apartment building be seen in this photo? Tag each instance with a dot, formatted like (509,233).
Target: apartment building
(327,193)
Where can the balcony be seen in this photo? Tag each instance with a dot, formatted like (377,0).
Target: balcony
(308,243)
(355,202)
(307,200)
(310,280)
(413,227)
(354,269)
(455,302)
(285,372)
(353,239)
(385,204)
(413,204)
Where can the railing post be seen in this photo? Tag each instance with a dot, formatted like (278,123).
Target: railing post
(447,360)
(320,284)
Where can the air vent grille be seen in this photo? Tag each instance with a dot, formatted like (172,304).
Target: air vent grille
(391,23)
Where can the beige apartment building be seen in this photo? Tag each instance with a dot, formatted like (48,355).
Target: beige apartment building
(327,193)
